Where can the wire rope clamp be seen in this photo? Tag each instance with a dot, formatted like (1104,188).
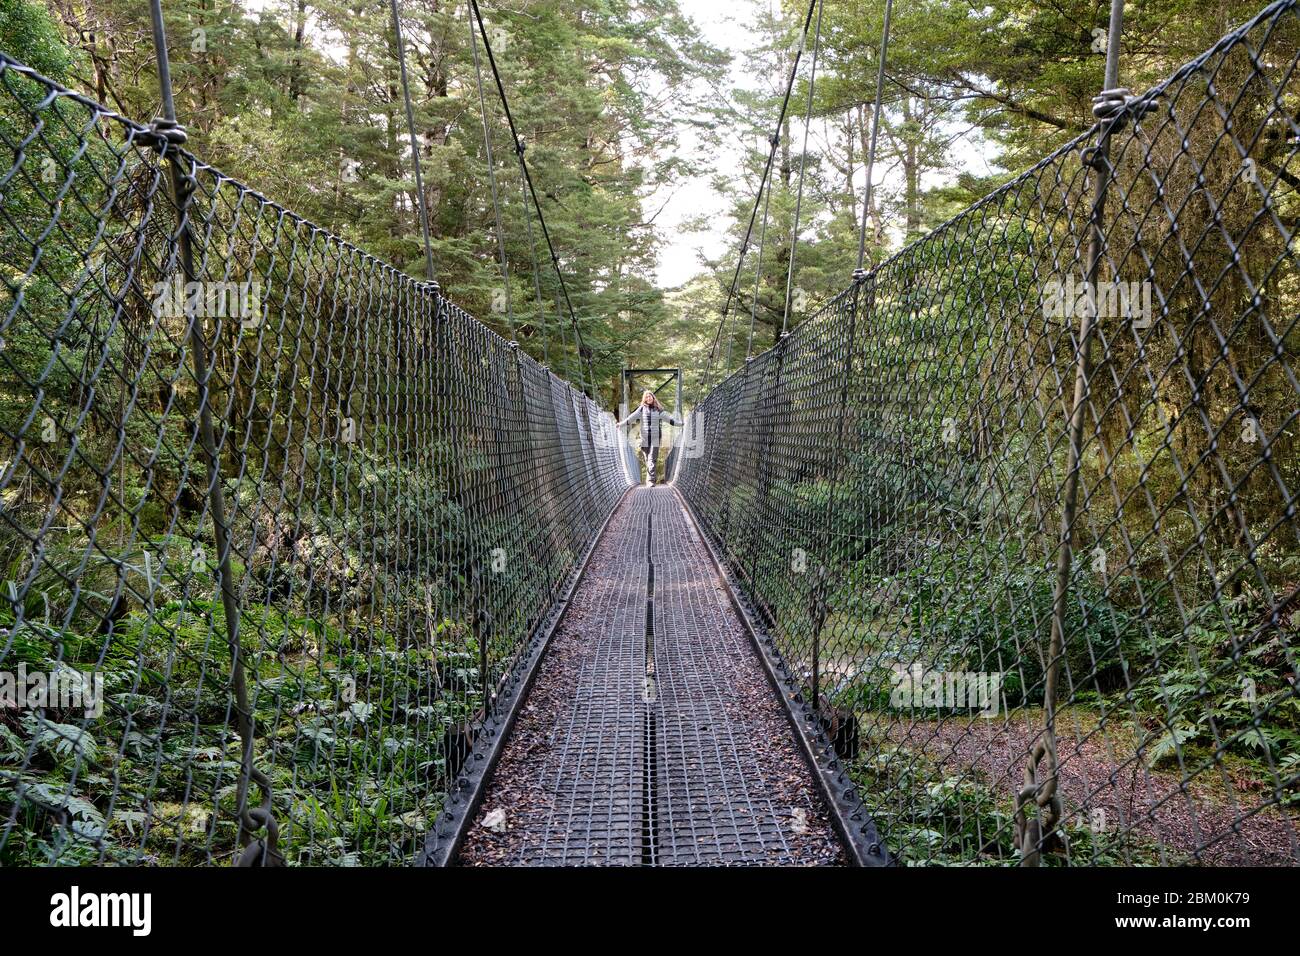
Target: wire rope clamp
(1038,805)
(1093,158)
(162,134)
(1110,103)
(1113,108)
(262,851)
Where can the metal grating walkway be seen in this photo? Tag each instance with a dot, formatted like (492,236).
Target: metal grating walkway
(651,736)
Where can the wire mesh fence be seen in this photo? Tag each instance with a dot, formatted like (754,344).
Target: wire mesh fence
(1045,627)
(385,502)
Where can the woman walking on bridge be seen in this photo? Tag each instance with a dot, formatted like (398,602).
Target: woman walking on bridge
(650,413)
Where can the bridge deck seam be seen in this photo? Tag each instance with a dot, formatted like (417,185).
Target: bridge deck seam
(727,785)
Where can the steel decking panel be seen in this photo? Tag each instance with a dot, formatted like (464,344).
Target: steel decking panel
(615,762)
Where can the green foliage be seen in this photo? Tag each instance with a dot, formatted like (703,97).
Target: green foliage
(30,34)
(351,773)
(1202,697)
(959,819)
(1001,624)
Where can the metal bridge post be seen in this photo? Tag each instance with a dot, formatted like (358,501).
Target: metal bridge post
(171,137)
(818,606)
(758,529)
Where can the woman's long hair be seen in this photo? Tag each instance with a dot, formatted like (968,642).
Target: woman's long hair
(650,398)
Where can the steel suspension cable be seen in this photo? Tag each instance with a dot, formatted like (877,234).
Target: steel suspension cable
(583,353)
(774,140)
(803,167)
(767,201)
(537,279)
(415,146)
(726,362)
(758,272)
(859,273)
(492,175)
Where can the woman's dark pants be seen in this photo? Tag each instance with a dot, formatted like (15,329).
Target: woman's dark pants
(651,456)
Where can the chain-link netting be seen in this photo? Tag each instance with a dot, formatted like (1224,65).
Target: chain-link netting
(403,492)
(891,484)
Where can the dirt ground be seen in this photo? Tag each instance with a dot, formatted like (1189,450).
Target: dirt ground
(1197,815)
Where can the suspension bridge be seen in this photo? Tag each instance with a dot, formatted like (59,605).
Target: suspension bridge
(993,558)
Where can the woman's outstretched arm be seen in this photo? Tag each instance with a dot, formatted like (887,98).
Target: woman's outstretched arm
(631,418)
